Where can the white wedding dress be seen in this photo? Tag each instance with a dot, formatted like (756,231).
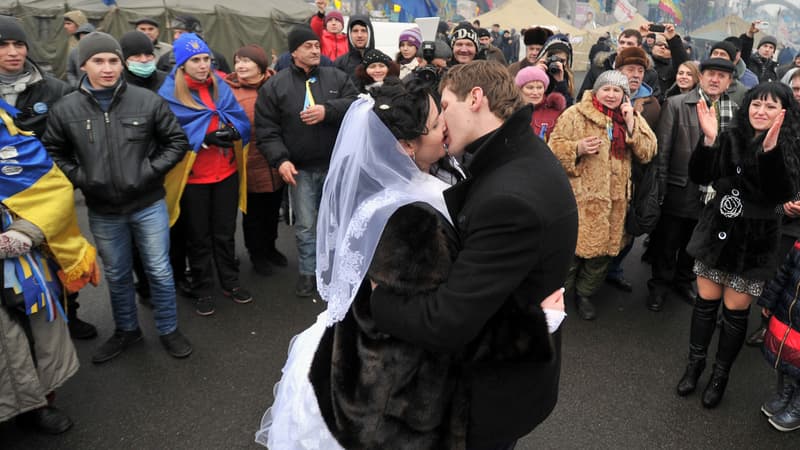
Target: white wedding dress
(294,421)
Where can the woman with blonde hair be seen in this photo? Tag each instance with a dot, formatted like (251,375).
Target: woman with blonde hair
(217,127)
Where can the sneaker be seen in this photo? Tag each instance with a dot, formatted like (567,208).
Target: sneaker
(116,344)
(79,329)
(277,258)
(306,285)
(176,344)
(789,418)
(239,295)
(204,306)
(779,400)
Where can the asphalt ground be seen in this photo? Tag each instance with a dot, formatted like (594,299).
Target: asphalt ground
(617,388)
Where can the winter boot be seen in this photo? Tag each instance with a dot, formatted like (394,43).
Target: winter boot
(782,397)
(789,418)
(704,317)
(731,339)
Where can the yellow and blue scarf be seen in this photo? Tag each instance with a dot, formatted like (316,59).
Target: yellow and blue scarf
(33,188)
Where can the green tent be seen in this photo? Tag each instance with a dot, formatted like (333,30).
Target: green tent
(226,27)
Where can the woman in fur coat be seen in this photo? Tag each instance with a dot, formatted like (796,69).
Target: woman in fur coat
(754,168)
(533,82)
(595,141)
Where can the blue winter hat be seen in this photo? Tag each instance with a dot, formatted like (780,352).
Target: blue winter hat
(188,45)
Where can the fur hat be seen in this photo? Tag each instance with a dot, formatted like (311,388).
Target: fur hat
(531,73)
(727,46)
(632,55)
(255,54)
(536,36)
(373,56)
(188,45)
(614,78)
(135,43)
(11,30)
(465,31)
(300,34)
(717,64)
(412,36)
(97,42)
(768,40)
(334,15)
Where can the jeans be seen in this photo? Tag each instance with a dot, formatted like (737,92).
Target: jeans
(615,270)
(114,235)
(305,202)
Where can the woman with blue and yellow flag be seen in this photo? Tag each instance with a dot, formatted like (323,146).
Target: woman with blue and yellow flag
(204,188)
(44,257)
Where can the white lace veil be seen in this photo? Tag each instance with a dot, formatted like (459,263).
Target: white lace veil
(369,178)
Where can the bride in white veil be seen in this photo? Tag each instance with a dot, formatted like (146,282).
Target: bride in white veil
(372,174)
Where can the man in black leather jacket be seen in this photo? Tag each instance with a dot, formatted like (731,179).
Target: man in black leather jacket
(116,142)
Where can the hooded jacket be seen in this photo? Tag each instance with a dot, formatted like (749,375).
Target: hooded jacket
(353,58)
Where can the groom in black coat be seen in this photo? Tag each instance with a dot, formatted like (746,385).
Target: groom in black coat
(517,224)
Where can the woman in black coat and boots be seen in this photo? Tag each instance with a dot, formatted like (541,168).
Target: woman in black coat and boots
(754,167)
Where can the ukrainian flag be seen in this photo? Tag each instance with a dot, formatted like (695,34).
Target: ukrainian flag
(195,124)
(35,189)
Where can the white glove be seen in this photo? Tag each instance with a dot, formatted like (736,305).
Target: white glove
(13,244)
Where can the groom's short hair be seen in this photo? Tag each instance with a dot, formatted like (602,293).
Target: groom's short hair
(493,78)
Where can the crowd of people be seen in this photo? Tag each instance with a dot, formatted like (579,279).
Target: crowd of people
(440,199)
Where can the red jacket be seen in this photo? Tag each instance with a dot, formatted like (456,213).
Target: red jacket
(332,45)
(546,113)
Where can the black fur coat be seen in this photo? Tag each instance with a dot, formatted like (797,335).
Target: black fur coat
(379,392)
(738,232)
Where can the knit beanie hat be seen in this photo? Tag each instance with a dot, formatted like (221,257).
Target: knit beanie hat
(536,36)
(135,43)
(483,32)
(375,56)
(557,43)
(727,46)
(84,29)
(768,40)
(632,55)
(614,78)
(531,73)
(412,36)
(334,15)
(97,42)
(188,45)
(442,50)
(255,54)
(300,34)
(465,31)
(11,30)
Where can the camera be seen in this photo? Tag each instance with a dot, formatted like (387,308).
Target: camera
(554,64)
(429,75)
(656,27)
(763,25)
(428,50)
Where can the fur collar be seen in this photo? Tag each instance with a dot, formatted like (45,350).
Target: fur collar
(587,109)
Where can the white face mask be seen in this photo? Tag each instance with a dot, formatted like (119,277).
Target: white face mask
(141,69)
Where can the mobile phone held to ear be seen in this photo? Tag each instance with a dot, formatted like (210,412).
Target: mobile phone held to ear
(656,27)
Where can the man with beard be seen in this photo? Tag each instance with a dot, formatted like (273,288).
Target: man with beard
(360,38)
(678,133)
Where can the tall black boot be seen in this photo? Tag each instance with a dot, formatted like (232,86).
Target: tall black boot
(704,320)
(731,340)
(78,329)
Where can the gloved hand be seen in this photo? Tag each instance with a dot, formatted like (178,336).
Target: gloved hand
(223,137)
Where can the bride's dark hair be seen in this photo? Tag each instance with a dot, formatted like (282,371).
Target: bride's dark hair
(403,107)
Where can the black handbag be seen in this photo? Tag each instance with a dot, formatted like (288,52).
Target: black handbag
(644,209)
